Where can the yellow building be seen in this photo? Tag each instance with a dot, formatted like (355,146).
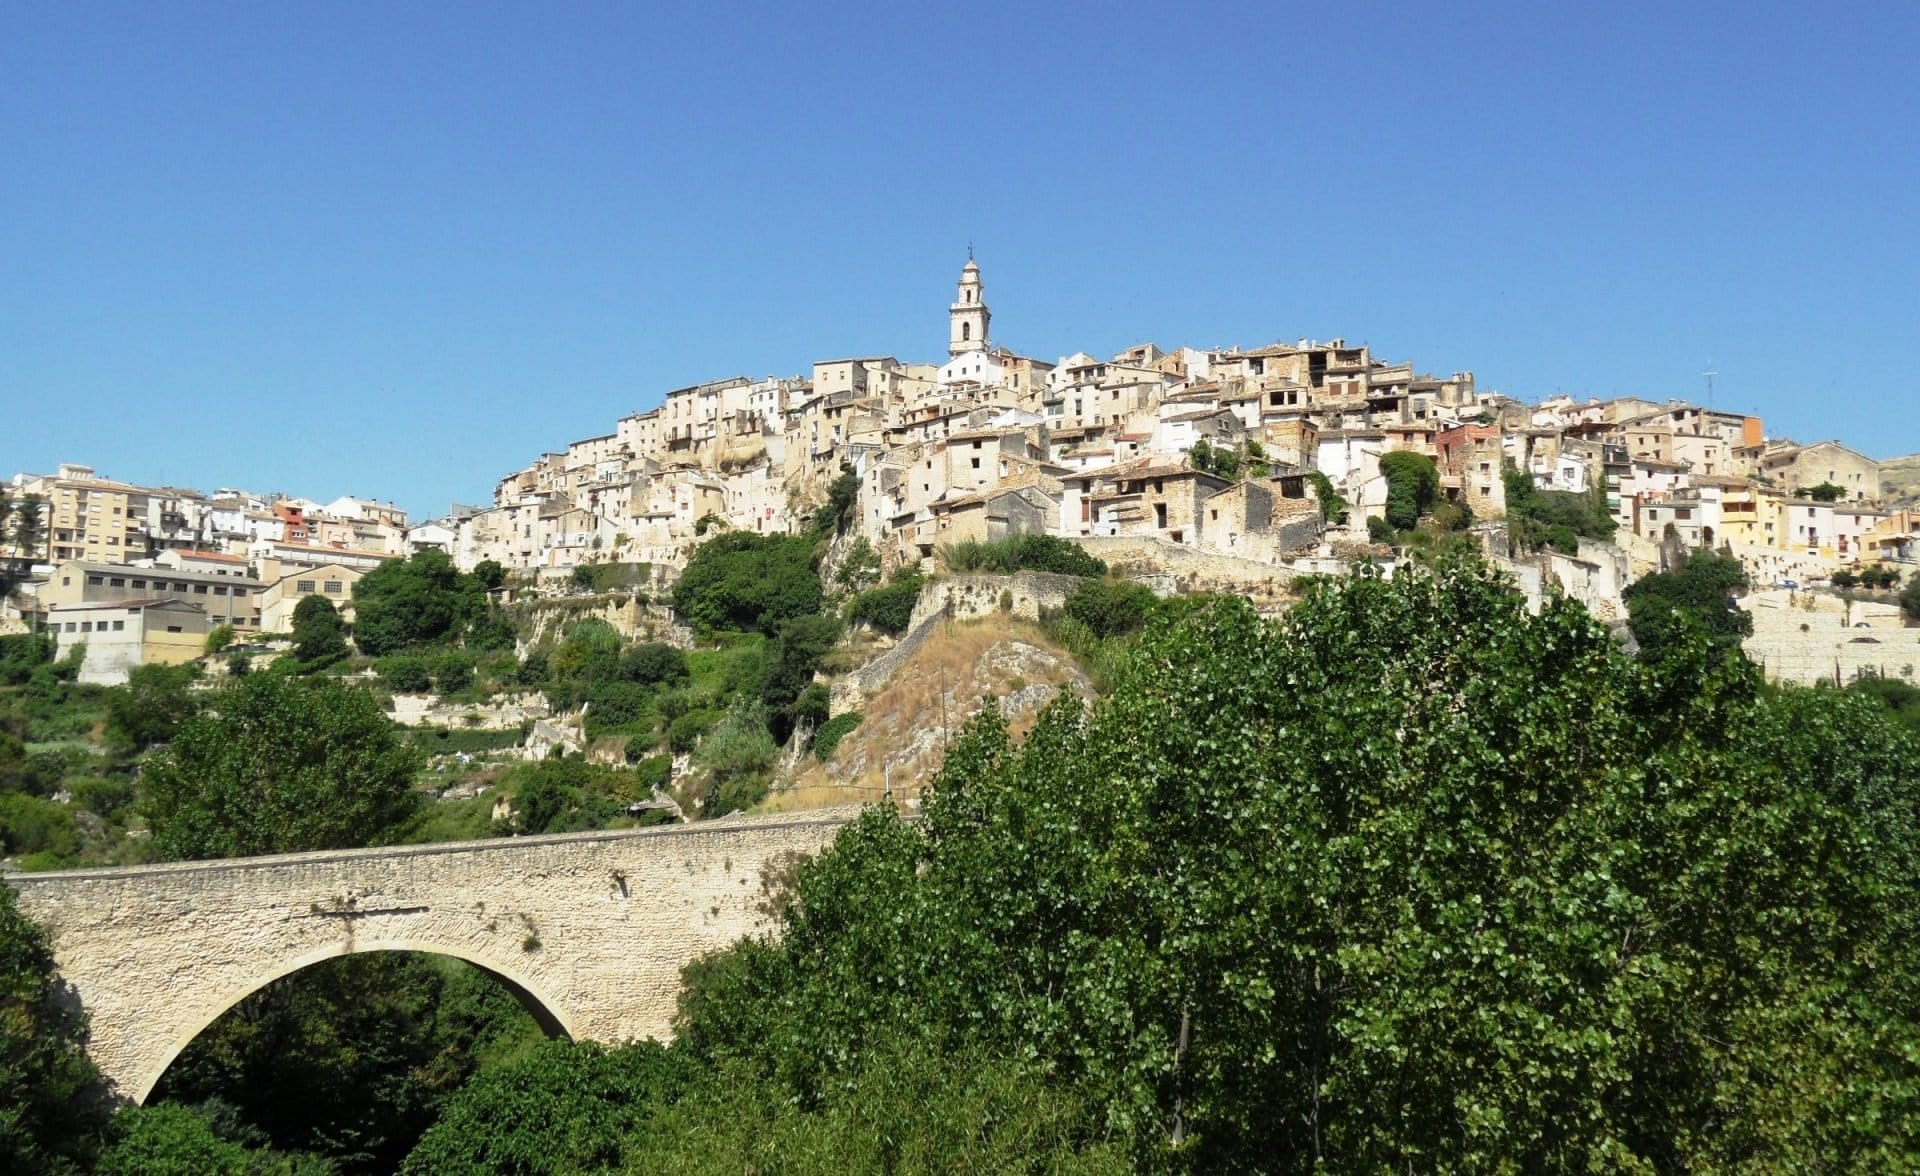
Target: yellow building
(333,581)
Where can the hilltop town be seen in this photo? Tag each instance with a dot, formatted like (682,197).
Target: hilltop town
(1230,469)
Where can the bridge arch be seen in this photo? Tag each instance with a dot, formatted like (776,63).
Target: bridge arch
(591,929)
(208,1007)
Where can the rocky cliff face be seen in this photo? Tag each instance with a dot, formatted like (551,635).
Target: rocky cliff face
(1900,480)
(902,739)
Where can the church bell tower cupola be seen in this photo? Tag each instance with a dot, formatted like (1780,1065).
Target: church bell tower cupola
(967,317)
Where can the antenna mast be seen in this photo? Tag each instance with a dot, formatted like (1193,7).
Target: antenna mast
(1709,376)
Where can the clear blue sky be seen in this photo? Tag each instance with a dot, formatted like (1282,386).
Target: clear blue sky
(398,249)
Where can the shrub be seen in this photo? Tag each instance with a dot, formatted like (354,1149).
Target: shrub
(1379,530)
(859,568)
(21,654)
(1110,607)
(1017,553)
(102,796)
(831,732)
(1333,508)
(685,732)
(653,663)
(613,706)
(219,637)
(405,673)
(29,825)
(652,773)
(453,672)
(889,608)
(737,758)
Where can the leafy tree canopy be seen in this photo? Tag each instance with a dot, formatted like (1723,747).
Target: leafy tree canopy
(279,765)
(1413,485)
(151,706)
(417,601)
(1699,592)
(740,580)
(318,635)
(1404,879)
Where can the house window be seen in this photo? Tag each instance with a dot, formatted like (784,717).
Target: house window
(139,583)
(96,580)
(219,589)
(200,589)
(239,591)
(116,582)
(331,587)
(178,586)
(1160,514)
(119,626)
(71,626)
(86,626)
(173,628)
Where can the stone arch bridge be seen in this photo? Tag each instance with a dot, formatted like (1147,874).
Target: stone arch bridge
(590,930)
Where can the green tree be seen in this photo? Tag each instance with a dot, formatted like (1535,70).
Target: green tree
(563,1109)
(52,1107)
(422,600)
(842,495)
(279,765)
(1539,518)
(1910,598)
(1413,484)
(29,527)
(172,1140)
(490,574)
(798,649)
(653,663)
(219,637)
(351,1058)
(1200,457)
(318,635)
(1405,878)
(889,608)
(1109,608)
(1826,492)
(1700,593)
(151,706)
(745,581)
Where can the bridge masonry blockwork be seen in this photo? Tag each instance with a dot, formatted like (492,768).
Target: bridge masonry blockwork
(591,928)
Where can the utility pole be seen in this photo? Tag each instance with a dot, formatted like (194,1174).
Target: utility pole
(1709,376)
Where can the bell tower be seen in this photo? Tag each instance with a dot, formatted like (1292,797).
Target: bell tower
(968,316)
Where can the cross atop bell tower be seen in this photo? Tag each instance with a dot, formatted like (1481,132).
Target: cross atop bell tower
(967,318)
